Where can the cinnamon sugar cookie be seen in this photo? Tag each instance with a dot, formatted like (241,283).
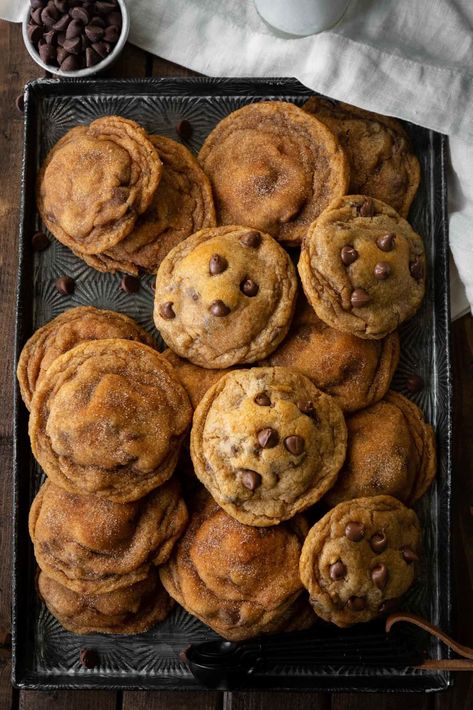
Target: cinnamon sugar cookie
(273,167)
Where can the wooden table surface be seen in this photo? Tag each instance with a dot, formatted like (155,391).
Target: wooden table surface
(15,69)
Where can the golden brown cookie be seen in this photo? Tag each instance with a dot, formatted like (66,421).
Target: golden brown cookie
(267,444)
(362,267)
(239,580)
(108,419)
(92,545)
(225,296)
(96,181)
(382,163)
(353,371)
(196,380)
(64,332)
(360,558)
(181,205)
(390,451)
(273,167)
(128,610)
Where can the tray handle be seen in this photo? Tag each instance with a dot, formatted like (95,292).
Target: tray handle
(443,664)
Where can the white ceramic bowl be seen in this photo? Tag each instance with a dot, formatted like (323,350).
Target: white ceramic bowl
(87,71)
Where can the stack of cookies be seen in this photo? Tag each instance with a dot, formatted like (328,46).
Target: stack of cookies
(288,371)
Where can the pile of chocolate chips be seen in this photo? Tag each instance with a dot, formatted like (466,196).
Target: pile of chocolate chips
(73,34)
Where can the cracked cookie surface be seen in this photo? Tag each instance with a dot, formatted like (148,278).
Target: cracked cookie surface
(225,296)
(362,267)
(382,162)
(390,451)
(64,332)
(273,167)
(360,558)
(108,419)
(95,182)
(267,444)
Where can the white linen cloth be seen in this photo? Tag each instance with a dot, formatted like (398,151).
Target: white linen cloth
(412,59)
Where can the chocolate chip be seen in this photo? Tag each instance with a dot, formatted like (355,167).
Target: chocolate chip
(61,55)
(20,103)
(262,400)
(356,603)
(49,16)
(102,49)
(360,298)
(184,129)
(111,34)
(50,37)
(416,269)
(61,5)
(409,555)
(115,19)
(217,264)
(129,284)
(388,605)
(379,575)
(65,285)
(74,29)
(249,287)
(414,383)
(34,33)
(337,571)
(166,310)
(73,46)
(94,33)
(89,658)
(61,38)
(348,255)
(382,270)
(250,479)
(103,8)
(91,57)
(378,542)
(69,63)
(294,444)
(354,531)
(267,438)
(251,239)
(219,309)
(366,209)
(386,242)
(80,13)
(62,24)
(37,3)
(98,21)
(36,16)
(39,241)
(47,54)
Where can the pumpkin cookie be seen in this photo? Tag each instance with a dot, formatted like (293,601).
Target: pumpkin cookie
(92,545)
(355,372)
(382,163)
(390,451)
(225,296)
(181,205)
(108,419)
(96,181)
(362,267)
(360,558)
(64,332)
(273,167)
(239,580)
(267,444)
(128,610)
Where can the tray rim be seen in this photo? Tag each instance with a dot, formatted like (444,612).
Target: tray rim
(209,86)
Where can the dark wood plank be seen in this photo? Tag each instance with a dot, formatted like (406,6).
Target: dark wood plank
(168,700)
(68,700)
(161,67)
(277,701)
(382,701)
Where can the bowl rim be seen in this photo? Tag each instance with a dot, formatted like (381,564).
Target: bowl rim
(86,71)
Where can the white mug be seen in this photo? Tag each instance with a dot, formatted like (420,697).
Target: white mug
(301,17)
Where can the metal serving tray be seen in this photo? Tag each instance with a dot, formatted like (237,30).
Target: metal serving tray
(46,656)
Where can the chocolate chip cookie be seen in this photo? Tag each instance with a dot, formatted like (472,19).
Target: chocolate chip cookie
(64,332)
(273,167)
(353,371)
(391,451)
(92,545)
(108,418)
(362,267)
(225,296)
(360,558)
(128,610)
(241,581)
(382,162)
(181,205)
(267,444)
(96,181)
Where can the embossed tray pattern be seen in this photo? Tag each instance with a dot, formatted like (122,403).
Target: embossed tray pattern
(44,654)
